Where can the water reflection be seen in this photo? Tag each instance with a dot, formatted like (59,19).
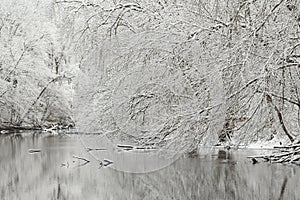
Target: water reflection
(54,174)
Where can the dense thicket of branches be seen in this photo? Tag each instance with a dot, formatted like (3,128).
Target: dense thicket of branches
(177,72)
(189,69)
(31,67)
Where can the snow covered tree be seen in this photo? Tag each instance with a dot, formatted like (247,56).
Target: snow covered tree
(187,71)
(27,36)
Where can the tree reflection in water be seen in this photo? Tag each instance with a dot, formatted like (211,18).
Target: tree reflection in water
(53,173)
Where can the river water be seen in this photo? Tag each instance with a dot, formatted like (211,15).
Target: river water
(56,171)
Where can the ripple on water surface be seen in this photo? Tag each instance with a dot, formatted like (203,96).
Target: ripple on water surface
(58,172)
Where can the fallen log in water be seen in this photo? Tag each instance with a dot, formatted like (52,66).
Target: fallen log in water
(283,154)
(107,162)
(287,147)
(18,128)
(34,150)
(125,147)
(85,161)
(95,149)
(129,147)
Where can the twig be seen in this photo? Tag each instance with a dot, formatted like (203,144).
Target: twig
(96,149)
(34,150)
(107,162)
(268,16)
(129,147)
(287,147)
(280,117)
(285,156)
(80,158)
(38,97)
(286,99)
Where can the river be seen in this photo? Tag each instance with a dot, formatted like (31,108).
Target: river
(39,166)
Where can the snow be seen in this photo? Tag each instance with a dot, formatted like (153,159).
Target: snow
(268,144)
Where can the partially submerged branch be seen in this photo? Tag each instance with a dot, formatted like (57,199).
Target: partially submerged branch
(285,154)
(85,161)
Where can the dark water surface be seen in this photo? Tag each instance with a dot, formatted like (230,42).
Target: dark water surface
(54,173)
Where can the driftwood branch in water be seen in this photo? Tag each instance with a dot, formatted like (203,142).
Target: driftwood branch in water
(10,127)
(107,162)
(95,149)
(80,158)
(287,147)
(103,163)
(85,161)
(34,150)
(129,147)
(125,147)
(284,154)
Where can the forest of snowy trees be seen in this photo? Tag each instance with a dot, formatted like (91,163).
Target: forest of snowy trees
(180,72)
(34,72)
